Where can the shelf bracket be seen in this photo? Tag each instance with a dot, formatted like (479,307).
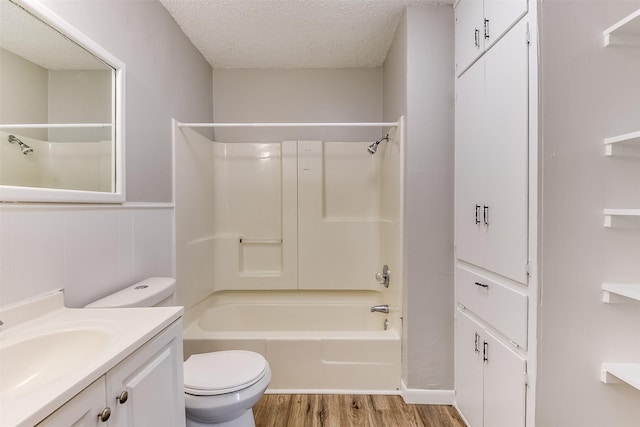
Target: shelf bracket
(613,293)
(607,377)
(613,298)
(616,373)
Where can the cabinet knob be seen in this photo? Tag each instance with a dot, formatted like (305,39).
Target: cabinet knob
(123,397)
(105,414)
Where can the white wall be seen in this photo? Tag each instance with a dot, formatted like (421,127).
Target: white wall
(92,251)
(297,95)
(24,89)
(429,216)
(252,95)
(419,83)
(80,97)
(166,77)
(88,251)
(588,92)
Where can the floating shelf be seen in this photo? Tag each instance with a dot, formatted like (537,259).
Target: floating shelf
(620,293)
(615,373)
(629,138)
(625,32)
(54,125)
(609,214)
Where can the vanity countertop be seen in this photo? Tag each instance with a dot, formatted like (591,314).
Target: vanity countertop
(50,353)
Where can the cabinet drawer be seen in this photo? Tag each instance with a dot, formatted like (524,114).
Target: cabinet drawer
(501,307)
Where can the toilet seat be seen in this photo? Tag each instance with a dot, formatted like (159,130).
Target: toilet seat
(221,372)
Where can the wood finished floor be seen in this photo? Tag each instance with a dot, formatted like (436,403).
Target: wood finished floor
(349,410)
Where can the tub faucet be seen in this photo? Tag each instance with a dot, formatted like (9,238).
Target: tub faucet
(380,308)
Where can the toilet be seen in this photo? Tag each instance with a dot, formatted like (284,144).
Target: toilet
(220,387)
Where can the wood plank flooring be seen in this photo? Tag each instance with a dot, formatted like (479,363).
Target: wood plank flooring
(349,410)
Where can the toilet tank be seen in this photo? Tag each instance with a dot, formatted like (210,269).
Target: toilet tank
(151,292)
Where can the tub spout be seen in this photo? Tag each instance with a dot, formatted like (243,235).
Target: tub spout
(380,309)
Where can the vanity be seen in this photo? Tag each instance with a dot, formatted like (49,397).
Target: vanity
(90,367)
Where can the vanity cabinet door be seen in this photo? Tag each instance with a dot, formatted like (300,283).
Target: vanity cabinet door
(504,385)
(146,389)
(468,368)
(81,411)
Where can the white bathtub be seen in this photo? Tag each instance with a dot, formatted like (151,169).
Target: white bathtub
(315,341)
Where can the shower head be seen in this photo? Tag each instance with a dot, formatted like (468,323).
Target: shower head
(26,150)
(373,147)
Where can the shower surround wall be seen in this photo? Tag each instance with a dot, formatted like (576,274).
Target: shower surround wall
(314,95)
(296,215)
(277,194)
(295,237)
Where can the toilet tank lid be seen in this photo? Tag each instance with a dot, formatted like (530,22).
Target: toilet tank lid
(145,293)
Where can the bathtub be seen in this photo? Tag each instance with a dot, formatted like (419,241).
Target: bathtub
(314,341)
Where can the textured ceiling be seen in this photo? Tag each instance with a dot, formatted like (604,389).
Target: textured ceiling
(291,33)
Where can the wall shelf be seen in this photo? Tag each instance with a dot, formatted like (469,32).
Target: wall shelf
(55,125)
(616,373)
(610,214)
(625,32)
(620,293)
(627,138)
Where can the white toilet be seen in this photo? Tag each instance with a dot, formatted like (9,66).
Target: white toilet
(220,387)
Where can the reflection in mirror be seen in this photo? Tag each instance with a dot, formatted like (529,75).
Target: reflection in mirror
(58,127)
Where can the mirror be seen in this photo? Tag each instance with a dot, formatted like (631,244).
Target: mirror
(60,111)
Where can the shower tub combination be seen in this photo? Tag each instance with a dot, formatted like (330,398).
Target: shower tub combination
(314,341)
(285,261)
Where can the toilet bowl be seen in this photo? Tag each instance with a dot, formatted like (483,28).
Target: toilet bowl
(220,387)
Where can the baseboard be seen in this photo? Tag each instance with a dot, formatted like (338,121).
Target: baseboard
(329,391)
(455,405)
(427,397)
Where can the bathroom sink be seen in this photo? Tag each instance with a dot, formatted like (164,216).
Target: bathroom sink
(34,361)
(49,353)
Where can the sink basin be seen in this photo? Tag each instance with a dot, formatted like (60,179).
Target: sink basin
(33,362)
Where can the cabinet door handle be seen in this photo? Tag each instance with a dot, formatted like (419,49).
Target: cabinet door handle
(486,28)
(485,214)
(485,351)
(476,344)
(123,397)
(476,37)
(105,414)
(477,214)
(482,285)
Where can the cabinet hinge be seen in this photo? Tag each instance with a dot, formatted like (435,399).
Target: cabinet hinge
(527,268)
(528,35)
(526,379)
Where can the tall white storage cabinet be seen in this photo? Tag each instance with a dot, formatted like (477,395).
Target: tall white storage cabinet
(492,211)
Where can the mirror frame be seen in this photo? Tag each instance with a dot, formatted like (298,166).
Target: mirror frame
(9,193)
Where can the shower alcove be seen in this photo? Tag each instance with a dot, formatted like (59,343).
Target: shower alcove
(278,246)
